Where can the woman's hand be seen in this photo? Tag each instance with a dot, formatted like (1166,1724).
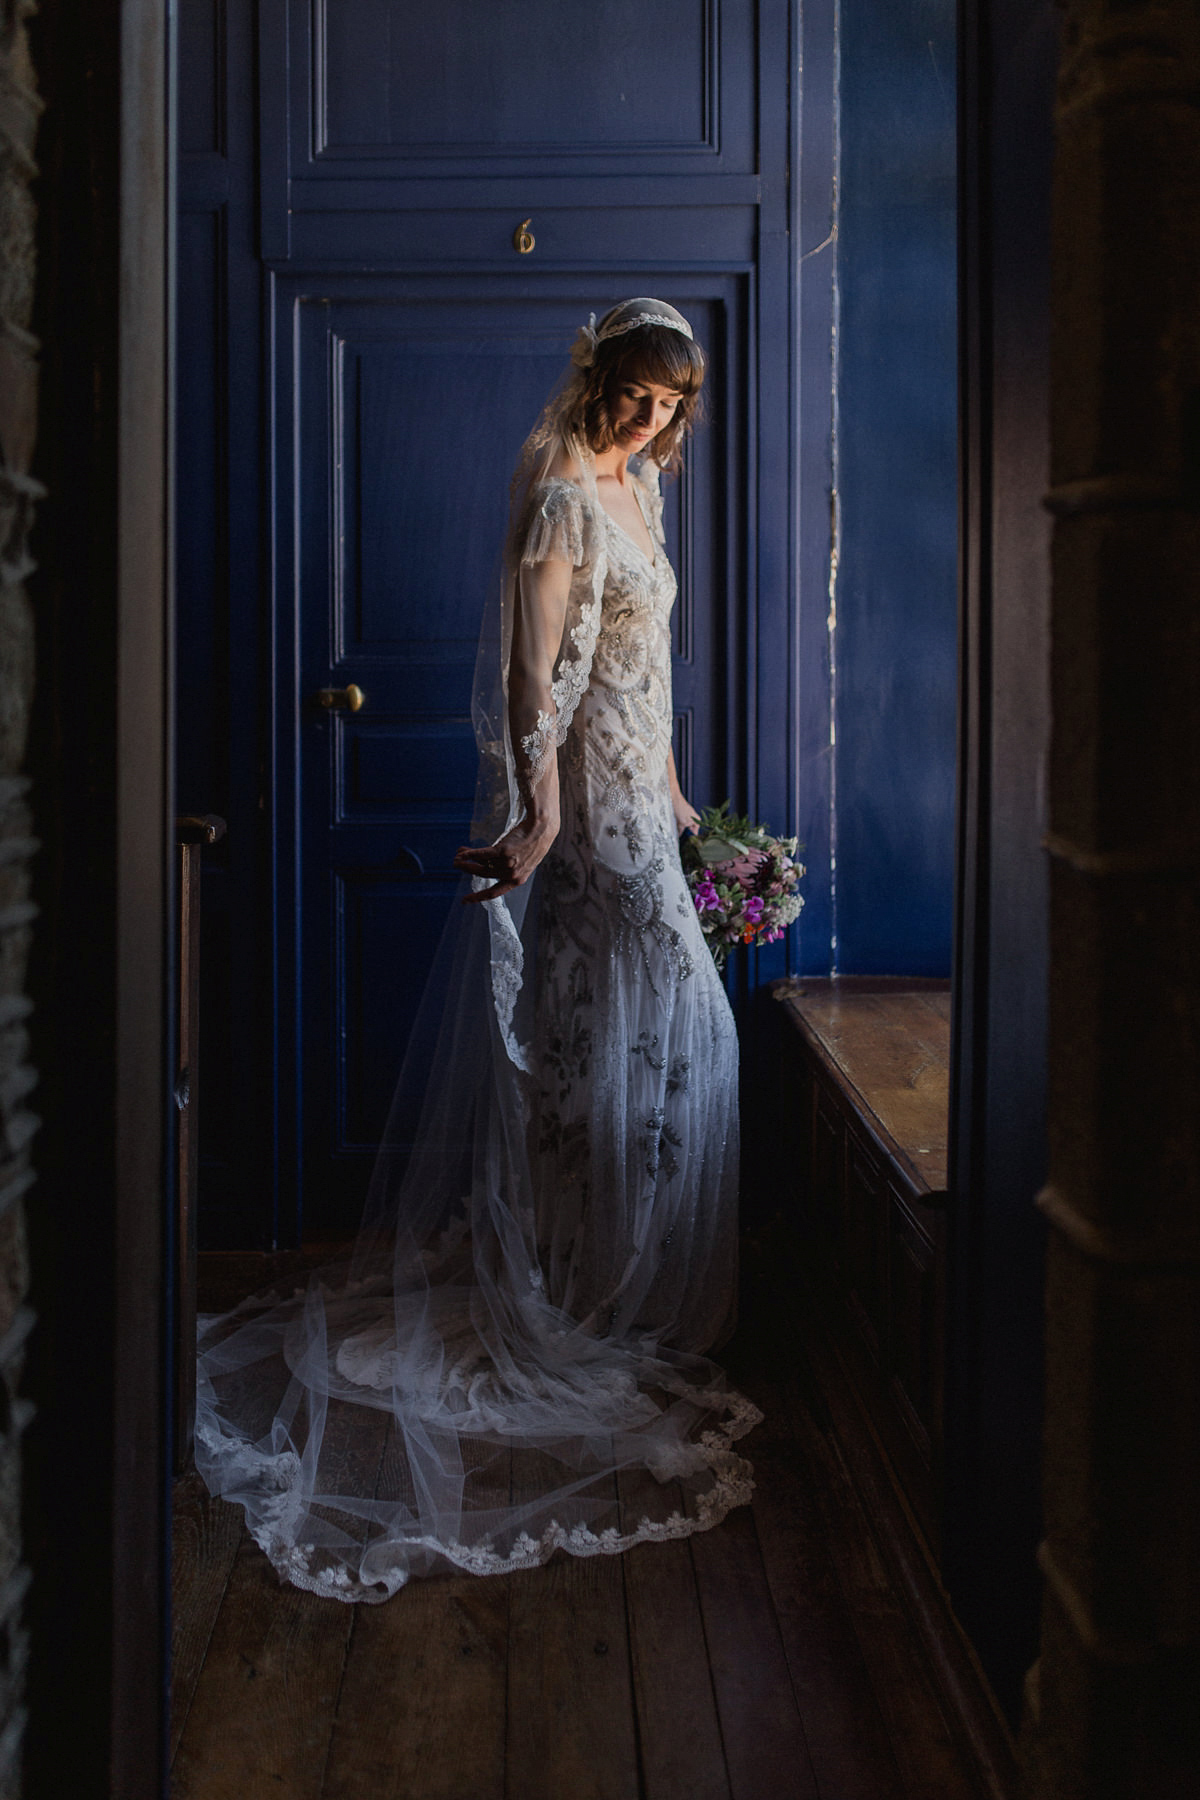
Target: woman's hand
(511,860)
(686,816)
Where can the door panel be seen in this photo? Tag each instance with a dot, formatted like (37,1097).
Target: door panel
(465,101)
(597,238)
(608,87)
(409,412)
(387,923)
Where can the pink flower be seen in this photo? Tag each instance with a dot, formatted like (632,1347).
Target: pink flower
(744,869)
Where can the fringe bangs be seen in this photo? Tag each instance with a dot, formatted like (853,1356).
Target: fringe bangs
(653,354)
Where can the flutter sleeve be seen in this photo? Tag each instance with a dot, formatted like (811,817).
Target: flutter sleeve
(556,525)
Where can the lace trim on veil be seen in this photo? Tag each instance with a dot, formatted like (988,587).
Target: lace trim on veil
(558,518)
(567,691)
(274,1529)
(508,971)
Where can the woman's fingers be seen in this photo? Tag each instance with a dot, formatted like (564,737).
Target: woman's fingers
(474,862)
(508,864)
(503,880)
(493,861)
(492,893)
(494,864)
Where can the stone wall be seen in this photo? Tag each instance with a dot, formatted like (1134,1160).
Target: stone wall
(19,109)
(1115,1701)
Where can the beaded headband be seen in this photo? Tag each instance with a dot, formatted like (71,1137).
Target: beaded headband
(583,351)
(642,318)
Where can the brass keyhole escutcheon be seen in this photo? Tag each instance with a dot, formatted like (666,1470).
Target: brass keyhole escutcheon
(348,699)
(523,238)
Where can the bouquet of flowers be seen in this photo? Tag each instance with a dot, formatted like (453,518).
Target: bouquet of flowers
(743,880)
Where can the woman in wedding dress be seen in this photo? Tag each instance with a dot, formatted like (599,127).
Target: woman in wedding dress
(511,1361)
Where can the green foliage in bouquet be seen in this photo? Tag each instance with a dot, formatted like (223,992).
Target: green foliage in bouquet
(743,880)
(723,836)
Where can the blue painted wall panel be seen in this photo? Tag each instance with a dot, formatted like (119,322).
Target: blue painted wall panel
(401,77)
(897,586)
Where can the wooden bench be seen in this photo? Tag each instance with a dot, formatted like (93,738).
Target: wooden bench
(866,1074)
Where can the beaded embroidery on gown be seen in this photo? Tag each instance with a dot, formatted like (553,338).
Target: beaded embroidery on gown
(511,1360)
(636,1171)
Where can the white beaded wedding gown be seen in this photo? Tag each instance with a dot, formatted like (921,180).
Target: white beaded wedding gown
(511,1362)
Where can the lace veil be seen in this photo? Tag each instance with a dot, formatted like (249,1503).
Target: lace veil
(425,1403)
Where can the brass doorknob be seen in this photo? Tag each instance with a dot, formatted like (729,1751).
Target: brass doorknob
(348,699)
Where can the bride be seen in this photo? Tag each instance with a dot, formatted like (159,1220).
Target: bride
(511,1360)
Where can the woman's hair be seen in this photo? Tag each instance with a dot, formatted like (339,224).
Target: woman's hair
(651,354)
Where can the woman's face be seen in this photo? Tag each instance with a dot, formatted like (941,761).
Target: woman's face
(639,410)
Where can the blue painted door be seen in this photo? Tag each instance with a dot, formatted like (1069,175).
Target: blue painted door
(406,345)
(411,403)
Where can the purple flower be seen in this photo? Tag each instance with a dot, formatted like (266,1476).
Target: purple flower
(753,909)
(706,897)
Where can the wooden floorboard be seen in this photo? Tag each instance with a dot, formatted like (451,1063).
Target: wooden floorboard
(783,1354)
(262,1712)
(765,1747)
(205,1538)
(424,1697)
(930,1764)
(844,1726)
(422,1709)
(938,1752)
(571,1724)
(678,1729)
(768,1659)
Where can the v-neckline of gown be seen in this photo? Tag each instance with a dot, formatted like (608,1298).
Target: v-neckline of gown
(650,561)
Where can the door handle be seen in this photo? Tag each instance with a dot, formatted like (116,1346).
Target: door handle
(348,699)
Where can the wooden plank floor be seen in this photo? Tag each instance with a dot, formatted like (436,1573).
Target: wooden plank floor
(769,1659)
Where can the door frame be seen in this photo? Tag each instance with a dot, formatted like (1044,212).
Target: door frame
(106,897)
(996,1238)
(97,1465)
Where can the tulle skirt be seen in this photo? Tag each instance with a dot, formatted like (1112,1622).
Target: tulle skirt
(511,1361)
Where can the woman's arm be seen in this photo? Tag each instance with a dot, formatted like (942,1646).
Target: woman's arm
(543,590)
(686,816)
